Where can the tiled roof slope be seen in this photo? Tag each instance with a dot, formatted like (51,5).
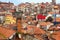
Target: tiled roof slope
(6,32)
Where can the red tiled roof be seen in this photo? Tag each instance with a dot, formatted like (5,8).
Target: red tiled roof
(57,20)
(54,28)
(57,35)
(45,23)
(0,6)
(38,37)
(34,30)
(1,37)
(6,32)
(38,31)
(5,3)
(12,10)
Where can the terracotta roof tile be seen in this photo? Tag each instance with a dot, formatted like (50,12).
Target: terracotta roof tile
(38,37)
(57,19)
(1,37)
(34,30)
(45,23)
(6,32)
(57,36)
(38,31)
(12,10)
(54,28)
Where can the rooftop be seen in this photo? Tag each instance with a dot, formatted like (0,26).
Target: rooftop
(5,32)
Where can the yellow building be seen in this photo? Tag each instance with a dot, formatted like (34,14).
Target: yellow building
(10,20)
